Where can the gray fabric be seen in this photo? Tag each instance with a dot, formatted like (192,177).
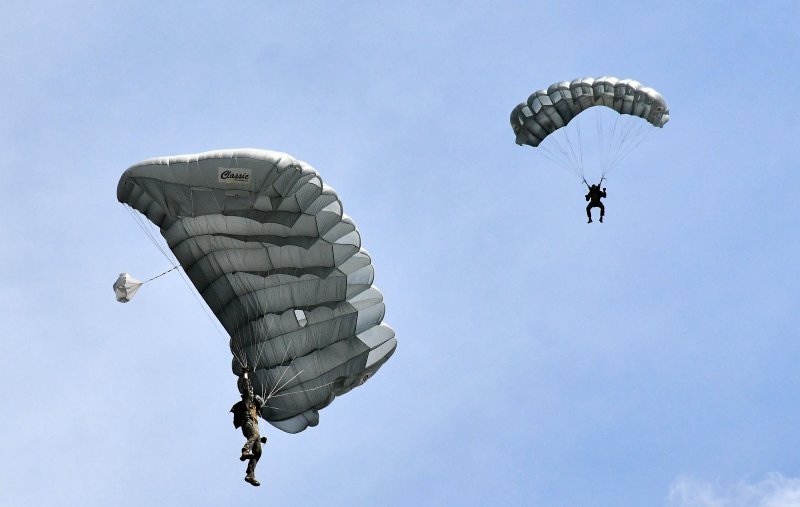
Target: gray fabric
(548,110)
(267,245)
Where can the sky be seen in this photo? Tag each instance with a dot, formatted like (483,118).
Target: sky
(649,360)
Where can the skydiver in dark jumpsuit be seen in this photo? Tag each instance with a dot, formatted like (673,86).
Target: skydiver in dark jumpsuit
(245,415)
(594,196)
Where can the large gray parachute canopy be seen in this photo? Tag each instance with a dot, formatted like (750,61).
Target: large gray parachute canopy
(548,110)
(267,245)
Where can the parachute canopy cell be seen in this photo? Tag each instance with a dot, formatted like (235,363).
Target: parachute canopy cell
(126,287)
(550,109)
(267,245)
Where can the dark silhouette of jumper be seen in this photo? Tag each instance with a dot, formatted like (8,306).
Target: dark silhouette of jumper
(594,196)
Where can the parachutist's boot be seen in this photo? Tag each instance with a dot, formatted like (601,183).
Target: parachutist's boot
(252,480)
(601,219)
(263,440)
(590,220)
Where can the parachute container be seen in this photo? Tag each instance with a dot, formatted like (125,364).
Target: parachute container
(267,245)
(126,287)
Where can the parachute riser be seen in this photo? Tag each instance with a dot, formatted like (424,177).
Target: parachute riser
(602,179)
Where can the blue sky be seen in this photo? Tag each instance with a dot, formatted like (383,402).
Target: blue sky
(650,360)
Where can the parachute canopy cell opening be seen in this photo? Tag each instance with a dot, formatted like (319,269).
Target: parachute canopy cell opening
(554,120)
(267,245)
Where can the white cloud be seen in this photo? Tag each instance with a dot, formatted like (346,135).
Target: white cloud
(774,491)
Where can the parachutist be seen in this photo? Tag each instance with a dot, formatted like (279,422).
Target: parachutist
(594,196)
(245,416)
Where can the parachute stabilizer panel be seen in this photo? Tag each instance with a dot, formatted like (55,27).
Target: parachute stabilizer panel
(268,246)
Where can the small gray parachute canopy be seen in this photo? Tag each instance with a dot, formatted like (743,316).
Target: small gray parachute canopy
(267,245)
(550,109)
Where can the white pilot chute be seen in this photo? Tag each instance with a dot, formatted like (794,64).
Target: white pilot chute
(126,287)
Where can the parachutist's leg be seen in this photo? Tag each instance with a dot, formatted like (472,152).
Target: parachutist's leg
(602,210)
(250,430)
(589,212)
(251,465)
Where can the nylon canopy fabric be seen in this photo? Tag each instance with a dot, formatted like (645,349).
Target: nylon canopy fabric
(267,245)
(126,287)
(550,109)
